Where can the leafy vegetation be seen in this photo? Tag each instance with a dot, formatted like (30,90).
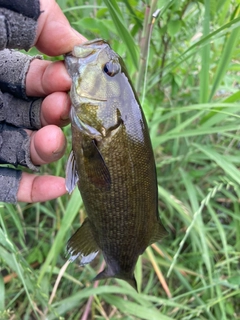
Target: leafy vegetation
(190,94)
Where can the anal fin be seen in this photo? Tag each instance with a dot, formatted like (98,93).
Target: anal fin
(82,244)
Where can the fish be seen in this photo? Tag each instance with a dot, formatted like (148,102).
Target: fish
(112,162)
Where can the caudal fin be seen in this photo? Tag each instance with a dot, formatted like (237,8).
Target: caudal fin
(107,273)
(82,244)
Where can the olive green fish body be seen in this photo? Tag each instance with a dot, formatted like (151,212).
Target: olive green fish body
(113,158)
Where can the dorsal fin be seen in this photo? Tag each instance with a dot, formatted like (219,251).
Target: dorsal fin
(158,233)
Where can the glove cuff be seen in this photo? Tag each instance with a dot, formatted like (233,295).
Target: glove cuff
(20,113)
(17,31)
(15,147)
(9,184)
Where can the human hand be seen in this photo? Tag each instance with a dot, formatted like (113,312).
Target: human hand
(50,80)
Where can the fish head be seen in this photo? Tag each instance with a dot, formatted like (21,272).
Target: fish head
(93,66)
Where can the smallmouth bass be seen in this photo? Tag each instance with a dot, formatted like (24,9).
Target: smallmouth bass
(112,162)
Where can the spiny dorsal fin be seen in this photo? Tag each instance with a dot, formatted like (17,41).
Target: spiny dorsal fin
(82,244)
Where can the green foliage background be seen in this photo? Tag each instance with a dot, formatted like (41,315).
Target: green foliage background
(190,93)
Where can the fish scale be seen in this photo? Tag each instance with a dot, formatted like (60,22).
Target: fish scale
(112,163)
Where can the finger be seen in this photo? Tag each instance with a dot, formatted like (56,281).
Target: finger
(55,35)
(35,188)
(47,145)
(45,77)
(55,109)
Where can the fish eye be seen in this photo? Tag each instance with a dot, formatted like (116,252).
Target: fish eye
(111,68)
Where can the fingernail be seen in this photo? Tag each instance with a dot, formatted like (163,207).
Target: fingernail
(60,150)
(83,39)
(65,114)
(65,117)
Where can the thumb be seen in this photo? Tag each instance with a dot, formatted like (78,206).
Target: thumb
(55,36)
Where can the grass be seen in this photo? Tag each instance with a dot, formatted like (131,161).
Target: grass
(189,84)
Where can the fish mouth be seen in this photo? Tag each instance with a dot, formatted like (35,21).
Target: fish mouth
(79,58)
(98,42)
(91,98)
(87,49)
(71,63)
(85,96)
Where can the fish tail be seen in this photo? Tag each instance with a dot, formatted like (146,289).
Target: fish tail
(82,244)
(106,274)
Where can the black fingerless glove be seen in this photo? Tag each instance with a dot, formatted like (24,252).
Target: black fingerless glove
(18,24)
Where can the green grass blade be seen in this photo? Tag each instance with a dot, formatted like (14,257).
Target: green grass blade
(2,295)
(222,234)
(123,31)
(222,161)
(14,214)
(192,225)
(195,133)
(133,13)
(140,307)
(63,306)
(225,59)
(134,309)
(205,56)
(82,7)
(201,305)
(213,117)
(72,209)
(24,281)
(199,225)
(195,47)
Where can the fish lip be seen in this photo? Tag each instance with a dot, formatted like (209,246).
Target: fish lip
(97,45)
(71,64)
(91,98)
(98,41)
(69,58)
(67,54)
(84,96)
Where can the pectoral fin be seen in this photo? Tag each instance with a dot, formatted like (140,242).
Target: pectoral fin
(82,244)
(71,173)
(95,166)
